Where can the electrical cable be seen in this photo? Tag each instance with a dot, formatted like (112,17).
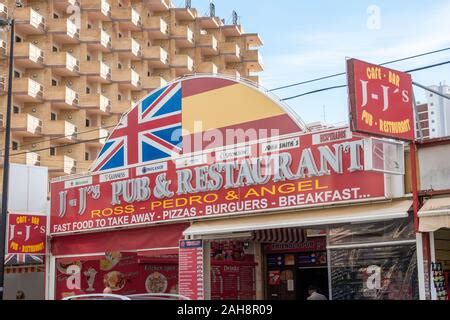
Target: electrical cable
(343,73)
(344,85)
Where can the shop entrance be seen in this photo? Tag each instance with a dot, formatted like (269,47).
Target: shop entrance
(317,277)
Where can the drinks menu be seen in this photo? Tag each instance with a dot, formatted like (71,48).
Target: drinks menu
(190,272)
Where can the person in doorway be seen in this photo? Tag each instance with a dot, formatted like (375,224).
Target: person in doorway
(20,295)
(314,295)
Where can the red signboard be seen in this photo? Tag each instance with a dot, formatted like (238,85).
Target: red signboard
(299,171)
(26,233)
(190,272)
(311,244)
(117,270)
(380,101)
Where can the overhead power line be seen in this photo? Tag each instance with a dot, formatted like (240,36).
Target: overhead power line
(343,73)
(344,85)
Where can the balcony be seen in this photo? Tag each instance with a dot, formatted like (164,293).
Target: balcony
(208,44)
(232,73)
(63,64)
(96,71)
(254,79)
(25,125)
(151,83)
(158,5)
(95,138)
(182,64)
(127,48)
(64,31)
(231,51)
(253,40)
(96,103)
(96,39)
(232,30)
(128,18)
(184,37)
(157,57)
(63,5)
(27,90)
(29,21)
(127,79)
(156,27)
(253,60)
(26,157)
(2,85)
(96,9)
(62,97)
(121,106)
(2,49)
(207,67)
(28,56)
(59,165)
(209,22)
(185,14)
(61,131)
(3,11)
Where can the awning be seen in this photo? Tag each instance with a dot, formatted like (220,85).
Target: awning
(283,235)
(435,214)
(309,218)
(154,237)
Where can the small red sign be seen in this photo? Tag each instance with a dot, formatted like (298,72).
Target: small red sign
(380,100)
(26,233)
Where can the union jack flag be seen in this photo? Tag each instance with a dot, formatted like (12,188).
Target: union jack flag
(150,131)
(13,259)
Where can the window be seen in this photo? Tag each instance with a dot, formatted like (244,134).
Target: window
(432,104)
(88,122)
(53,116)
(18,39)
(17,74)
(119,97)
(120,35)
(55,49)
(434,130)
(119,65)
(88,90)
(432,121)
(87,156)
(52,151)
(432,112)
(54,83)
(431,94)
(88,58)
(89,26)
(55,15)
(15,145)
(16,109)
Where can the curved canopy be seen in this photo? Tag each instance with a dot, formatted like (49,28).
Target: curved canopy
(193,114)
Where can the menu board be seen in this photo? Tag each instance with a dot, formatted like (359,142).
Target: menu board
(190,272)
(233,280)
(117,270)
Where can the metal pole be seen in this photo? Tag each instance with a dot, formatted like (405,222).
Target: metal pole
(414,185)
(6,163)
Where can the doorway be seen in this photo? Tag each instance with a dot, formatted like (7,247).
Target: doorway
(306,277)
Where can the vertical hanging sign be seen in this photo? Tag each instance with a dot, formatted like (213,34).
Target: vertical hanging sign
(380,101)
(190,274)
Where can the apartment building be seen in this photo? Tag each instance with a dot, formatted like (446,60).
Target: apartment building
(439,111)
(423,120)
(79,64)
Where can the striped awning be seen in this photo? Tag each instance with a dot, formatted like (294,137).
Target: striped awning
(283,235)
(24,269)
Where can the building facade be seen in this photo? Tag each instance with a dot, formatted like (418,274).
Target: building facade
(439,112)
(78,65)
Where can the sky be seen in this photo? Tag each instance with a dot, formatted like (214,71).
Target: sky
(309,39)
